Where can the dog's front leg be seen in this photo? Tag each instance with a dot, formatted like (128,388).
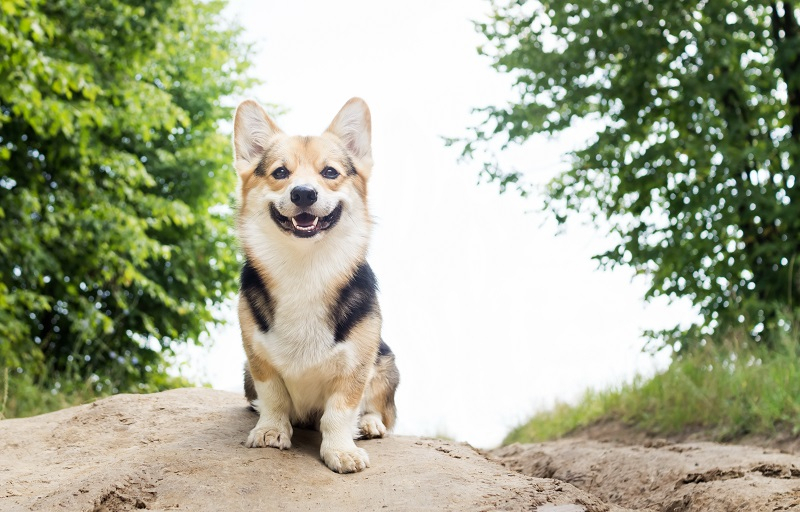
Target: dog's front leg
(274,405)
(337,425)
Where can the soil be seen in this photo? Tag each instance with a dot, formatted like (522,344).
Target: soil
(183,450)
(643,473)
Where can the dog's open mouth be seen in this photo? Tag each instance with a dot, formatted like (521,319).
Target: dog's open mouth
(305,225)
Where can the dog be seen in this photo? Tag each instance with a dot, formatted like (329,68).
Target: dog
(309,315)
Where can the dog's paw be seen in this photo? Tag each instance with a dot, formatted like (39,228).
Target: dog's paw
(371,426)
(261,437)
(346,461)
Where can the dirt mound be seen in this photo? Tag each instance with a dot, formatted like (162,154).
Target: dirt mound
(782,439)
(183,450)
(665,476)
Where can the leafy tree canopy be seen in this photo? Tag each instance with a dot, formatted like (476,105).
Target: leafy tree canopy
(115,237)
(696,166)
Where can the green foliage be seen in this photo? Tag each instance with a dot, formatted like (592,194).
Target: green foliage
(25,396)
(4,402)
(696,166)
(116,240)
(563,418)
(723,392)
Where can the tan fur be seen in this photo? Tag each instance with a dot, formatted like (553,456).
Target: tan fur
(257,366)
(303,286)
(352,385)
(380,396)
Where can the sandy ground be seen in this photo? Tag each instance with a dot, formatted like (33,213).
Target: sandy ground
(663,476)
(183,450)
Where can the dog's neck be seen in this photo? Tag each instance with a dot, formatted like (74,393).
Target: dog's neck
(315,267)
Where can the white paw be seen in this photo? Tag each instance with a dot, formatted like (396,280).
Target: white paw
(371,426)
(261,437)
(346,461)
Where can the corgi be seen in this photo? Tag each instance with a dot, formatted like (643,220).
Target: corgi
(308,309)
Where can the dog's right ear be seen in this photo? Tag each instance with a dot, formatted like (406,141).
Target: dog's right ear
(353,126)
(252,130)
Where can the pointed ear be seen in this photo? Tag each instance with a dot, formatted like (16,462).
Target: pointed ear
(353,126)
(252,129)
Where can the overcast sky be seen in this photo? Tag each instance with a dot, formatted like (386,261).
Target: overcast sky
(492,316)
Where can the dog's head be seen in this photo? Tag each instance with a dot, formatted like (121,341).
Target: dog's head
(303,187)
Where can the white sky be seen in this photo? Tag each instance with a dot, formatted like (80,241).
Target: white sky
(491,315)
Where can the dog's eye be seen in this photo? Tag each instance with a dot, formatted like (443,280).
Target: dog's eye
(330,173)
(280,173)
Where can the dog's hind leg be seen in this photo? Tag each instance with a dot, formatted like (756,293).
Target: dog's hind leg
(249,387)
(378,412)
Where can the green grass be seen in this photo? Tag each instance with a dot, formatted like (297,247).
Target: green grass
(4,403)
(723,396)
(21,397)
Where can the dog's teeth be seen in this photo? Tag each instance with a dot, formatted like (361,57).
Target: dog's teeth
(312,227)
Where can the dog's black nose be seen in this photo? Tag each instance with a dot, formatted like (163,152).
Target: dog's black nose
(303,196)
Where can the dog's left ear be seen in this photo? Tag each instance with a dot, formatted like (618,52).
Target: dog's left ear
(353,125)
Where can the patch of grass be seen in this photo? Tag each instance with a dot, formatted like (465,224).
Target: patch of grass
(725,392)
(564,418)
(23,397)
(5,394)
(443,435)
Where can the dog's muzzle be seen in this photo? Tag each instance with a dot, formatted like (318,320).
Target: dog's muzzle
(305,224)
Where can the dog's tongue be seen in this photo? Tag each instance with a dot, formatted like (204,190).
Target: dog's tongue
(304,220)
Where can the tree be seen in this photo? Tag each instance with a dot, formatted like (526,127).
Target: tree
(696,165)
(115,236)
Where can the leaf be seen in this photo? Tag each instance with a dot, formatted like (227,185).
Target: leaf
(108,133)
(690,168)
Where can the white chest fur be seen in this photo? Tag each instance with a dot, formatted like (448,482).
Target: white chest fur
(300,342)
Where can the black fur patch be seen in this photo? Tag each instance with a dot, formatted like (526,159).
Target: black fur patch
(257,296)
(351,169)
(357,299)
(383,349)
(261,168)
(348,162)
